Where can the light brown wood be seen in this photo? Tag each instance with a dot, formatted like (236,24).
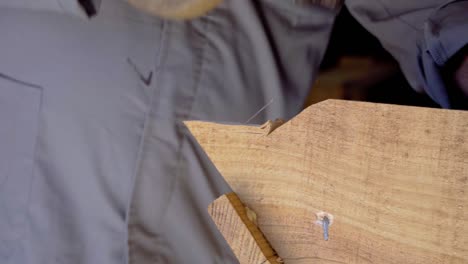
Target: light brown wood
(395,179)
(243,236)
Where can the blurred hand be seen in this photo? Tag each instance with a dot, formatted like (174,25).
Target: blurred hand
(176,9)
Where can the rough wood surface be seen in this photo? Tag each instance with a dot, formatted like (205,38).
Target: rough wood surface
(243,236)
(395,179)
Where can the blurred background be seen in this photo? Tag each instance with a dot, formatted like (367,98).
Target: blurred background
(359,68)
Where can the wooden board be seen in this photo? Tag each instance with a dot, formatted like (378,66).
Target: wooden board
(243,236)
(394,178)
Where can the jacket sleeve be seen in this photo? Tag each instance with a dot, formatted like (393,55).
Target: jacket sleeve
(445,34)
(421,34)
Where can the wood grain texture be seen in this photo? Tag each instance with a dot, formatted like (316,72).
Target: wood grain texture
(243,236)
(395,179)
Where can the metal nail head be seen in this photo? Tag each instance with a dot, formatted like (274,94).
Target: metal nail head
(325,225)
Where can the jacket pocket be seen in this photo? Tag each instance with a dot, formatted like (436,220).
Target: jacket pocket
(19,109)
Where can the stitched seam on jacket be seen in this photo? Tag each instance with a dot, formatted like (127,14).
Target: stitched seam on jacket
(398,18)
(182,137)
(160,58)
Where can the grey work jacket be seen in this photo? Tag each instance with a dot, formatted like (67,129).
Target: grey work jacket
(95,163)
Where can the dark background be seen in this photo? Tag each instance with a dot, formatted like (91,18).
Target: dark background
(357,67)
